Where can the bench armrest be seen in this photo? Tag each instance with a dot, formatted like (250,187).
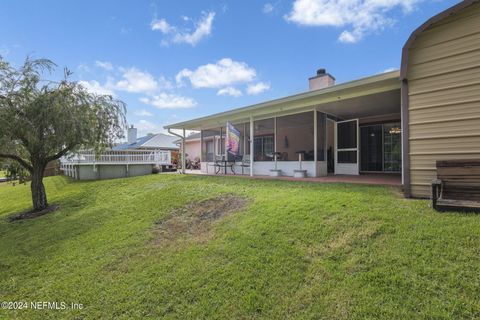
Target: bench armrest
(436,191)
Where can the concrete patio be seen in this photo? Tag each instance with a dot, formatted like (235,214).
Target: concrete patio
(386,179)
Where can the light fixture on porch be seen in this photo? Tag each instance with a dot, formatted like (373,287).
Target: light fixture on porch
(395,130)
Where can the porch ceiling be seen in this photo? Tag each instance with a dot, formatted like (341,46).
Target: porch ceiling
(376,95)
(365,106)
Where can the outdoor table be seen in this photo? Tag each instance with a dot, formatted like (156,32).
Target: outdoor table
(224,164)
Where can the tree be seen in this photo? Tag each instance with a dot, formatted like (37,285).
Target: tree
(42,120)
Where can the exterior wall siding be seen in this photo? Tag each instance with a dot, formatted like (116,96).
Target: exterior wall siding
(444,96)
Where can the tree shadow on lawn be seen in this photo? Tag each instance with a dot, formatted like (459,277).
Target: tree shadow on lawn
(43,236)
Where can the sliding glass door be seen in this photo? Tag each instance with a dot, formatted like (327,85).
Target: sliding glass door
(380,148)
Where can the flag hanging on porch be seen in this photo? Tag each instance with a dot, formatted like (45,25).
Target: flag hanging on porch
(232,143)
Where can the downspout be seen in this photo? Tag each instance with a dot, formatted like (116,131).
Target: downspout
(183,147)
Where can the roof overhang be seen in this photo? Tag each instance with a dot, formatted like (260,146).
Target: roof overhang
(385,82)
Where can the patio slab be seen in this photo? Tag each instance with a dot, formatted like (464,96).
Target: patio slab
(374,179)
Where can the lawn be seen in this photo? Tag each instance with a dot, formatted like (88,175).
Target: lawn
(131,249)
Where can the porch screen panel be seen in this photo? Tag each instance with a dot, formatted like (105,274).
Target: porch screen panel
(347,135)
(295,133)
(347,139)
(211,142)
(263,142)
(244,143)
(321,135)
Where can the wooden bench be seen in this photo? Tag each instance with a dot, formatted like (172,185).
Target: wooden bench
(457,186)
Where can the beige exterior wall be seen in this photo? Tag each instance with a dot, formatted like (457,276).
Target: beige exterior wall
(443,75)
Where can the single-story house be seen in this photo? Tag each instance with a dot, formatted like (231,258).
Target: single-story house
(399,122)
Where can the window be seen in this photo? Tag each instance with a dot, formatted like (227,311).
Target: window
(263,143)
(295,133)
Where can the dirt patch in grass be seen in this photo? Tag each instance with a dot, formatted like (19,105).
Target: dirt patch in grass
(194,221)
(33,214)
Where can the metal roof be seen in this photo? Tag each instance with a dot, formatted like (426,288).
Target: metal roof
(155,141)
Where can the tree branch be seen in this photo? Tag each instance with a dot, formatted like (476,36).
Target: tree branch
(22,162)
(60,154)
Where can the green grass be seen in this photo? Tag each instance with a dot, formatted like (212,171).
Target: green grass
(298,250)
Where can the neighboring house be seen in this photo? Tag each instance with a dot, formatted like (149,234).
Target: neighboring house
(193,146)
(152,141)
(138,156)
(398,122)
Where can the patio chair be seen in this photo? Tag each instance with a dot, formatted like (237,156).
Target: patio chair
(244,161)
(216,164)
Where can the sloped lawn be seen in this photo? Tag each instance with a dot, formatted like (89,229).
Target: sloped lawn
(159,247)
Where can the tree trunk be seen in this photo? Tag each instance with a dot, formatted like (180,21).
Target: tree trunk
(39,197)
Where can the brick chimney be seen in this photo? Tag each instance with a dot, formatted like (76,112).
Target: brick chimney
(321,80)
(132,135)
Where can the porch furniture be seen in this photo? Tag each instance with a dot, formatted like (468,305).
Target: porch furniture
(244,161)
(276,172)
(220,163)
(300,173)
(457,186)
(224,164)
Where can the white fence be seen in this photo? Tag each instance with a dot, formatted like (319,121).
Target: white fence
(157,157)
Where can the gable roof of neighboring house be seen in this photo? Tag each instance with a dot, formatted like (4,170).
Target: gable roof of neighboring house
(192,137)
(154,141)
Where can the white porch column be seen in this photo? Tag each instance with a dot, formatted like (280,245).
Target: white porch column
(184,162)
(315,142)
(251,146)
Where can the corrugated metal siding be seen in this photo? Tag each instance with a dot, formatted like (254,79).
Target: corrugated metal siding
(444,96)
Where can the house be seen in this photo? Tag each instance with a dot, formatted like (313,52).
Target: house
(193,146)
(137,156)
(399,122)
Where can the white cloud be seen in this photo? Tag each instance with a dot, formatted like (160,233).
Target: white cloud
(224,72)
(202,29)
(143,113)
(257,88)
(104,65)
(359,16)
(169,101)
(135,80)
(161,25)
(267,8)
(164,83)
(229,91)
(95,87)
(145,127)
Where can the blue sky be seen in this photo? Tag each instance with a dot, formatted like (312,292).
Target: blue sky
(175,60)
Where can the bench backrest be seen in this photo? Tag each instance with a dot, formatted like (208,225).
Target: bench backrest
(461,179)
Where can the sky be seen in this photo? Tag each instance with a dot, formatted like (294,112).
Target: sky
(172,61)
